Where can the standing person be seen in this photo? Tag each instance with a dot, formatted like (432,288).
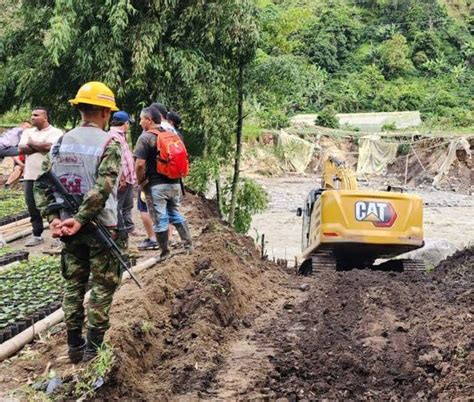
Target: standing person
(10,139)
(175,120)
(35,143)
(163,194)
(150,242)
(118,128)
(88,162)
(163,111)
(168,126)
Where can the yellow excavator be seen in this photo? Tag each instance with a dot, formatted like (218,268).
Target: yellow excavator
(346,228)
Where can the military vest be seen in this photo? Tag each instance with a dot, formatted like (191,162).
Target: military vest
(76,161)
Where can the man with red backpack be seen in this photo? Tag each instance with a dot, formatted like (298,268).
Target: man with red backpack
(161,161)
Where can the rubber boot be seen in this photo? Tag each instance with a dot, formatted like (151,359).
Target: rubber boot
(76,345)
(185,234)
(95,337)
(162,239)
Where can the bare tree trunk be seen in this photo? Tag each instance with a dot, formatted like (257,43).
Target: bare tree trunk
(238,149)
(219,195)
(205,140)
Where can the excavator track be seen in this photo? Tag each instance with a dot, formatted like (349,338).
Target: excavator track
(413,265)
(401,265)
(318,262)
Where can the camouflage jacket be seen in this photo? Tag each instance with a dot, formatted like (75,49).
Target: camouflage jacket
(94,200)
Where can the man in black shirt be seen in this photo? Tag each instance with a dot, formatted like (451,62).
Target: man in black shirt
(163,194)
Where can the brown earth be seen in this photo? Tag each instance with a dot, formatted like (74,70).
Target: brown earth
(223,324)
(432,153)
(379,335)
(170,337)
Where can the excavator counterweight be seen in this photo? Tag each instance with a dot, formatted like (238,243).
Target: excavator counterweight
(346,228)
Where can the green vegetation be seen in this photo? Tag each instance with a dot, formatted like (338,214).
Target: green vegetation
(365,56)
(275,57)
(11,203)
(95,374)
(251,199)
(5,250)
(15,116)
(28,287)
(327,118)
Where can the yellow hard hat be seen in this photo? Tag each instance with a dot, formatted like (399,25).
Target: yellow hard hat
(95,93)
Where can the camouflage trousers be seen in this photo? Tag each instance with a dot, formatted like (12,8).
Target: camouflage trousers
(85,261)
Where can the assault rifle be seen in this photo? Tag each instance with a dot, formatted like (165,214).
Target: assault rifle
(71,204)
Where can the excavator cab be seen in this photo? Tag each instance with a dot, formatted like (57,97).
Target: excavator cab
(305,213)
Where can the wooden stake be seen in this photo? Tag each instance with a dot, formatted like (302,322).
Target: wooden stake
(416,156)
(406,171)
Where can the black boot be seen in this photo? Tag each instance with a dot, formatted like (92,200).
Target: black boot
(76,345)
(162,238)
(185,234)
(95,337)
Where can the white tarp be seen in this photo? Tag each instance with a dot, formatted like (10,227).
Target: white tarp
(295,152)
(375,154)
(454,145)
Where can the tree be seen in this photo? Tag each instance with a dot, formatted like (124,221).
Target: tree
(394,59)
(330,39)
(188,55)
(140,49)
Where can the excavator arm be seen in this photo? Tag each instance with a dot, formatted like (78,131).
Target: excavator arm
(338,176)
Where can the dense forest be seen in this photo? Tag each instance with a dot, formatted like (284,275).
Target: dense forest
(286,56)
(367,55)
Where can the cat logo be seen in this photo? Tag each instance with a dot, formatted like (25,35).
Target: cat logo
(381,214)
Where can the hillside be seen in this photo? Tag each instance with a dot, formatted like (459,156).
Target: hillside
(363,56)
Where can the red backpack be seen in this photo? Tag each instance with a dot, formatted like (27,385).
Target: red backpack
(172,158)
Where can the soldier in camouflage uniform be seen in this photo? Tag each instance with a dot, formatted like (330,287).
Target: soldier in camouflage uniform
(87,161)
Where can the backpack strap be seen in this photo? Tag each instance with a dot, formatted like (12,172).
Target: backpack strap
(157,131)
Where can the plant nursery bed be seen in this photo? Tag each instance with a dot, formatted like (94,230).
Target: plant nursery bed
(10,257)
(5,220)
(12,206)
(28,292)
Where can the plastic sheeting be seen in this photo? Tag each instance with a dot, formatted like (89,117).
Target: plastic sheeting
(375,154)
(295,152)
(454,145)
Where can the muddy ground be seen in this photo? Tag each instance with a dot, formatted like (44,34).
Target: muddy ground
(222,324)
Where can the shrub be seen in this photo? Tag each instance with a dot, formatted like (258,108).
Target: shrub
(251,199)
(201,171)
(327,118)
(274,118)
(389,127)
(403,149)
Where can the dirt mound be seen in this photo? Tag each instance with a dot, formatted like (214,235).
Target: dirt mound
(169,338)
(460,265)
(365,334)
(430,155)
(455,276)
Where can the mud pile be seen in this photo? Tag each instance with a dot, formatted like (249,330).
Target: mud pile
(366,334)
(170,337)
